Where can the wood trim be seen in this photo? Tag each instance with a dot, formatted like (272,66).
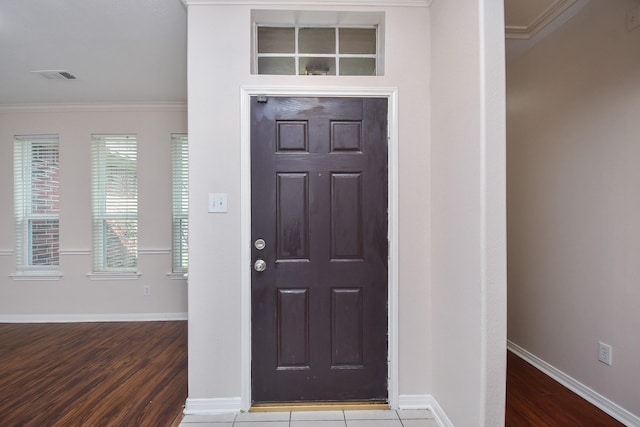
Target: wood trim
(414,401)
(83,318)
(154,251)
(212,406)
(133,275)
(425,401)
(35,275)
(141,251)
(177,276)
(541,21)
(64,252)
(318,406)
(95,107)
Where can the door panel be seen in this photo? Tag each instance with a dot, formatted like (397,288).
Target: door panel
(292,211)
(346,216)
(319,200)
(293,329)
(347,332)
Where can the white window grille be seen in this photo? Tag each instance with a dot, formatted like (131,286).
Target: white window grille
(307,50)
(114,203)
(37,203)
(180,209)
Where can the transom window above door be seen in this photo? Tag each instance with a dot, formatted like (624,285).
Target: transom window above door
(318,43)
(332,51)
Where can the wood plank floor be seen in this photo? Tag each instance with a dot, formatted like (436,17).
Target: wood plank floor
(535,399)
(93,374)
(135,374)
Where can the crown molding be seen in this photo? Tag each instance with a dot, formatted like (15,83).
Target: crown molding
(94,107)
(538,22)
(319,3)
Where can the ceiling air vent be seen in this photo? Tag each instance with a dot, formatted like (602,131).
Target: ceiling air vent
(55,74)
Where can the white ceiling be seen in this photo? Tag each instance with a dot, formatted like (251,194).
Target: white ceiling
(135,50)
(119,50)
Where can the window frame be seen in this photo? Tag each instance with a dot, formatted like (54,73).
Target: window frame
(179,204)
(25,194)
(99,203)
(296,55)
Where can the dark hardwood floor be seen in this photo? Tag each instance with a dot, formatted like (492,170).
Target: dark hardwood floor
(535,399)
(135,375)
(93,374)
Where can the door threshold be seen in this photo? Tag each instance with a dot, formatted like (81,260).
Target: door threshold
(319,406)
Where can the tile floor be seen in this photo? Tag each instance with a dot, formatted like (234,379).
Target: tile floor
(370,418)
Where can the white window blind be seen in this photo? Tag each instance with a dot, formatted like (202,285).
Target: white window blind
(37,202)
(180,210)
(115,203)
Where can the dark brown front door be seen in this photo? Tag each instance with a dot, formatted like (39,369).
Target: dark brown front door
(319,203)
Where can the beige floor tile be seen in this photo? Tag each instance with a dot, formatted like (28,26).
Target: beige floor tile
(317,415)
(205,424)
(217,418)
(318,423)
(263,416)
(374,423)
(410,414)
(260,424)
(371,415)
(420,423)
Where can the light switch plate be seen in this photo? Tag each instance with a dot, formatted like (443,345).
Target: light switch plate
(218,202)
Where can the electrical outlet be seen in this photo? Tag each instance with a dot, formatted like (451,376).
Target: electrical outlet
(633,19)
(146,290)
(604,353)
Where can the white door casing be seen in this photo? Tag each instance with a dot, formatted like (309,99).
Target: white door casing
(246,92)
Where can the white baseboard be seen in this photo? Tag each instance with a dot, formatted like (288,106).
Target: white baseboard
(78,318)
(212,406)
(590,395)
(425,401)
(414,401)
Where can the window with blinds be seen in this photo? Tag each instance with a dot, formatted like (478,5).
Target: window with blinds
(37,202)
(180,210)
(115,203)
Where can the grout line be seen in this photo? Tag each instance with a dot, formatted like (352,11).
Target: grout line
(234,422)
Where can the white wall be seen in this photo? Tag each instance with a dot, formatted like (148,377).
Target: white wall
(74,296)
(468,210)
(451,243)
(219,64)
(574,229)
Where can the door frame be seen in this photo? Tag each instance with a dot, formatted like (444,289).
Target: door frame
(246,92)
